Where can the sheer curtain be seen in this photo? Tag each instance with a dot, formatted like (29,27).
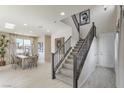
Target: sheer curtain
(35,46)
(12,46)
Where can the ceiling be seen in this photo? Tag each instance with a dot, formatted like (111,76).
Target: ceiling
(40,19)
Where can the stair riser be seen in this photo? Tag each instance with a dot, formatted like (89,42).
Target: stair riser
(65,79)
(75,50)
(67,73)
(68,66)
(77,47)
(79,44)
(70,57)
(69,62)
(74,53)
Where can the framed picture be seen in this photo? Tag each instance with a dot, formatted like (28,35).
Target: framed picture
(58,43)
(84,17)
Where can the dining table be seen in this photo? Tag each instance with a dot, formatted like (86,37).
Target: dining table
(23,58)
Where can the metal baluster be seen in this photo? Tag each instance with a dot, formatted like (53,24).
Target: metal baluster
(53,71)
(75,81)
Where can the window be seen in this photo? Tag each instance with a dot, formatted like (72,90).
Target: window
(19,46)
(23,46)
(27,43)
(27,47)
(19,42)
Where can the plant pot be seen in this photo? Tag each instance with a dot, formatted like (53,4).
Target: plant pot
(2,63)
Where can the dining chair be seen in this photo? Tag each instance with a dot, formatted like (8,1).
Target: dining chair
(15,61)
(36,60)
(32,61)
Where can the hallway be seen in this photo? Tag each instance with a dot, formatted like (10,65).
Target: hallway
(102,77)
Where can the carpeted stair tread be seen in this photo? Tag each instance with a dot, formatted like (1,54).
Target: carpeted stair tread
(67,72)
(68,66)
(64,79)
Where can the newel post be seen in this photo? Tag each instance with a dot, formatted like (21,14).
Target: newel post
(94,28)
(53,70)
(79,31)
(75,81)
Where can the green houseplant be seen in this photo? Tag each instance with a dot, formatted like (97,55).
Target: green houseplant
(3,44)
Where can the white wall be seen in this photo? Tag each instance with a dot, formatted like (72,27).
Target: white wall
(90,63)
(105,21)
(75,34)
(120,82)
(121,57)
(106,49)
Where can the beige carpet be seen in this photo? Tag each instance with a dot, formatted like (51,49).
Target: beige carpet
(30,78)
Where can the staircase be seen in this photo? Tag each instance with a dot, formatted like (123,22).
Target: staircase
(65,73)
(67,62)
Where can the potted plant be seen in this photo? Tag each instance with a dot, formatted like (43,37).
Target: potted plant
(3,44)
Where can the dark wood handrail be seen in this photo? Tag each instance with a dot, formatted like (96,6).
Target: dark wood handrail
(76,22)
(121,15)
(86,37)
(63,45)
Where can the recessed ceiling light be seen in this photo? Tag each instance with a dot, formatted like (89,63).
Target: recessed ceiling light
(62,13)
(9,25)
(25,24)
